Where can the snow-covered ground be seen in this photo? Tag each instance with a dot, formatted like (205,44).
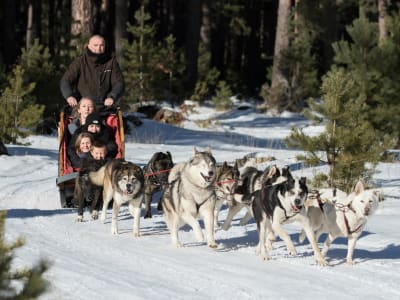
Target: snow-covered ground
(89,263)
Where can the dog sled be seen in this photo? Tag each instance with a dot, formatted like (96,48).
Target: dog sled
(66,173)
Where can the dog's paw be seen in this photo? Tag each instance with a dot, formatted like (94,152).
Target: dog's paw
(322,262)
(178,245)
(292,251)
(79,218)
(264,255)
(213,245)
(136,234)
(349,262)
(95,215)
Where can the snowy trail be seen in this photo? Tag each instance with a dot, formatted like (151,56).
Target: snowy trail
(89,263)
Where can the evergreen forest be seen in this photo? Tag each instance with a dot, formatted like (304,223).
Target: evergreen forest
(277,51)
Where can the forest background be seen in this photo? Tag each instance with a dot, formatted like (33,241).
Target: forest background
(279,52)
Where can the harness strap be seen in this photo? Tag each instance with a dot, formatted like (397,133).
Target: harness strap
(224,181)
(199,205)
(345,208)
(156,173)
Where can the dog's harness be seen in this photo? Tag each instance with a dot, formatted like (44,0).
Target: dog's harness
(315,195)
(345,208)
(153,176)
(222,182)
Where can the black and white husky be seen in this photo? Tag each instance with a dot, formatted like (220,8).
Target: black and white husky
(250,180)
(278,204)
(191,194)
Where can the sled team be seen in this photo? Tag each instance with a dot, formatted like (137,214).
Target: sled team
(199,188)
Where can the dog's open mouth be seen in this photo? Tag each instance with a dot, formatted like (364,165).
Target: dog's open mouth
(206,178)
(296,208)
(128,192)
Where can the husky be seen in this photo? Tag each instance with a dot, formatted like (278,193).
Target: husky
(156,178)
(250,180)
(346,217)
(279,204)
(191,194)
(123,182)
(225,185)
(85,192)
(251,160)
(315,202)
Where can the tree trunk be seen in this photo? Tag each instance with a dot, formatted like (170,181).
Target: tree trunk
(81,11)
(192,40)
(281,43)
(276,96)
(205,29)
(121,19)
(29,26)
(382,9)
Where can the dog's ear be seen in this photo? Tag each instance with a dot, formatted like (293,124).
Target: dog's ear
(272,171)
(207,150)
(303,181)
(286,171)
(195,151)
(153,158)
(359,187)
(169,155)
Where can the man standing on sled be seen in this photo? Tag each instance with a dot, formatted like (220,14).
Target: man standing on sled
(95,74)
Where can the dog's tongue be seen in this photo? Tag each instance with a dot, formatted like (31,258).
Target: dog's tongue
(206,178)
(295,208)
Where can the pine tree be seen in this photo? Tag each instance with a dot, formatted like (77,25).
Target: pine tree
(39,68)
(152,69)
(207,78)
(222,99)
(374,65)
(19,115)
(32,282)
(349,145)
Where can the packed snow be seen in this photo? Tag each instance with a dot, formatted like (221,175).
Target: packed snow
(87,262)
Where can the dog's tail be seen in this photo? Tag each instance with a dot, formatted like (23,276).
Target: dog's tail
(97,177)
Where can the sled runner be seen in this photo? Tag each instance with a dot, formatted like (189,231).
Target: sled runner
(66,173)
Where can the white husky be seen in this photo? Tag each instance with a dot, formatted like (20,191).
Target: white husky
(191,194)
(345,217)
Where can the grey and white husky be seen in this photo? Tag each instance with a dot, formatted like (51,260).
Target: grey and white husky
(191,194)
